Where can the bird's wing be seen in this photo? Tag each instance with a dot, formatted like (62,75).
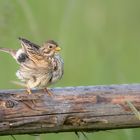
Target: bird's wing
(28,44)
(31,49)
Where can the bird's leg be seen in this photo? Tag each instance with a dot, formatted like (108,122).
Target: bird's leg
(48,91)
(24,85)
(33,82)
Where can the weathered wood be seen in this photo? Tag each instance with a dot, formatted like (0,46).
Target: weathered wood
(89,108)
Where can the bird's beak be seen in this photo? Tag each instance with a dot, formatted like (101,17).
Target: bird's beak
(57,49)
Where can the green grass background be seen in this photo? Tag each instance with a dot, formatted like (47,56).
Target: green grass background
(100,42)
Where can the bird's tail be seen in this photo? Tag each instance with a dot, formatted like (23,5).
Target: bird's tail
(8,50)
(19,83)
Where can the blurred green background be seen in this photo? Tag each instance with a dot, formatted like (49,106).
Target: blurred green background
(100,42)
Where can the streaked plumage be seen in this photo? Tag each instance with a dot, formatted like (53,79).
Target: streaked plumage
(39,66)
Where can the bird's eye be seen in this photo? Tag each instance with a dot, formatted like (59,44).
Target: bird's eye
(50,46)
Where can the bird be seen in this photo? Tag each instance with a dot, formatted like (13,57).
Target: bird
(39,66)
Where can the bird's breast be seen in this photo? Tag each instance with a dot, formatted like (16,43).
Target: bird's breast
(58,69)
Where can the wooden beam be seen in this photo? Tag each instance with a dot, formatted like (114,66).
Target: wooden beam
(84,108)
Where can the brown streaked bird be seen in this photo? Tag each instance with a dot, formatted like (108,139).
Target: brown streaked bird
(40,66)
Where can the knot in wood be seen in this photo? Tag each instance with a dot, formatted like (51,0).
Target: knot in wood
(75,121)
(9,104)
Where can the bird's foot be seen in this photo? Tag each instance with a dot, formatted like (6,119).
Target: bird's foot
(29,91)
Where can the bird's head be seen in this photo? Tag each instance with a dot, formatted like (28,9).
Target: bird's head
(50,48)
